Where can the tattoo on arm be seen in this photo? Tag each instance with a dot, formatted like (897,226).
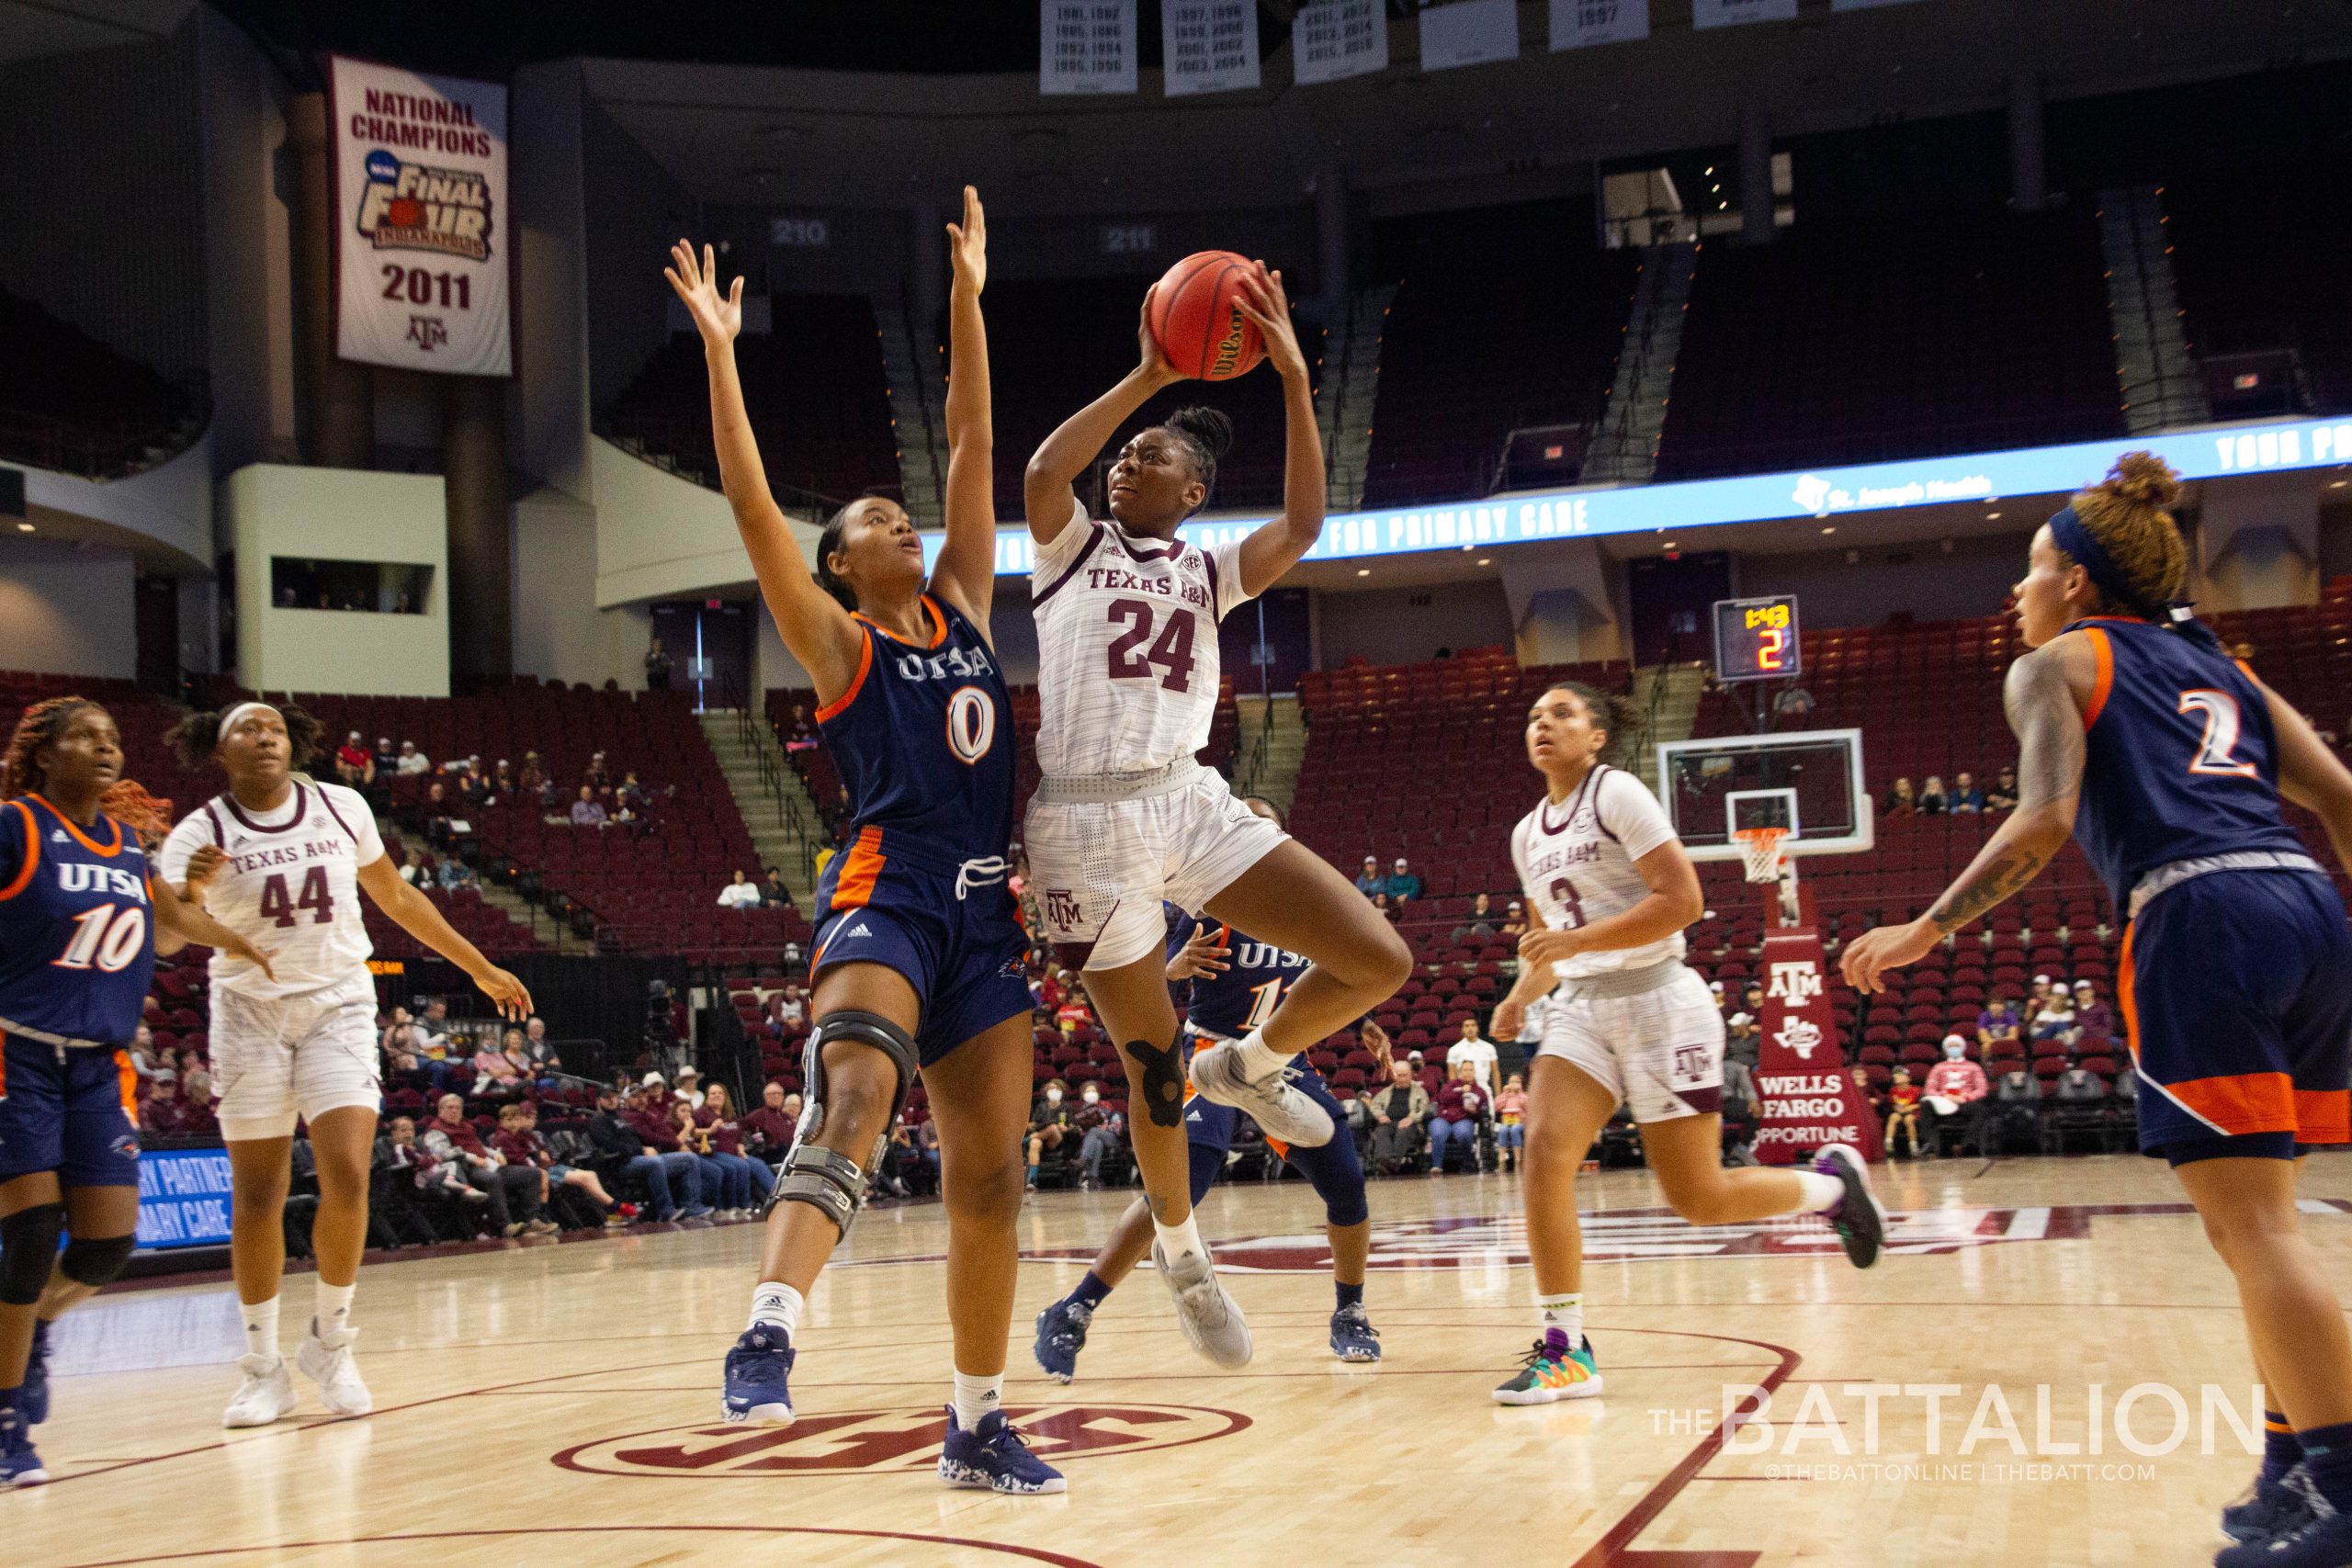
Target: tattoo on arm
(1979,890)
(1163,1081)
(2039,700)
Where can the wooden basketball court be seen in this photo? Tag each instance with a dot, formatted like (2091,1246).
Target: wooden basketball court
(556,1402)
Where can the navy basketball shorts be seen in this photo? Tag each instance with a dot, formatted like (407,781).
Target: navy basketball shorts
(74,1111)
(962,949)
(1334,1169)
(2236,991)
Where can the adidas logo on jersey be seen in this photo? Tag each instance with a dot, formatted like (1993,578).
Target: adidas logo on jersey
(859,930)
(57,836)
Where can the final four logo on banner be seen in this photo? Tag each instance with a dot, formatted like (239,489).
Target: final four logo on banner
(421,223)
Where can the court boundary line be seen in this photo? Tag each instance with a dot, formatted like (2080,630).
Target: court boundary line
(1033,1553)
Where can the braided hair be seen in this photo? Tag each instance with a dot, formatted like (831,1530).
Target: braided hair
(21,773)
(195,739)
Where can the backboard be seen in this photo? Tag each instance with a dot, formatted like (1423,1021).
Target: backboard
(1809,781)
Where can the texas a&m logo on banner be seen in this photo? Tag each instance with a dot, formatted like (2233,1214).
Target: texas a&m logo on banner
(422,231)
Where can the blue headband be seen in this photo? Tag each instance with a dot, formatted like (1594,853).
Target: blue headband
(2068,532)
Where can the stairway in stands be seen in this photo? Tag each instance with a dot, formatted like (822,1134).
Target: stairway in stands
(1665,701)
(782,818)
(1273,744)
(2157,376)
(1343,407)
(918,392)
(1624,446)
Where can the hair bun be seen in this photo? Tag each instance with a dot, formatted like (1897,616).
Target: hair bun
(1208,426)
(2144,479)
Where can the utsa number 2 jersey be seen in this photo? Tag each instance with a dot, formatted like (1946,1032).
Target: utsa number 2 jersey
(1127,664)
(290,886)
(1231,1003)
(2180,758)
(1576,863)
(923,739)
(77,930)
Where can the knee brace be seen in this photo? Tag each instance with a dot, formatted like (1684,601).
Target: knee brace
(97,1261)
(830,1182)
(28,1251)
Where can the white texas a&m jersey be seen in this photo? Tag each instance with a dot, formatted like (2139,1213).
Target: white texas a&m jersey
(1126,646)
(1576,863)
(290,886)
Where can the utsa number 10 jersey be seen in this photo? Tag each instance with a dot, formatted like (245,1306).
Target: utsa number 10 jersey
(2180,759)
(1231,1002)
(923,739)
(1127,664)
(77,937)
(291,885)
(1576,863)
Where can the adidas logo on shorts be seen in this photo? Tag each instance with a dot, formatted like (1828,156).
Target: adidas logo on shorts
(859,930)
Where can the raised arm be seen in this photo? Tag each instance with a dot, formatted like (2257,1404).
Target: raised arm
(965,572)
(414,913)
(1273,549)
(816,628)
(1045,484)
(2309,775)
(2043,695)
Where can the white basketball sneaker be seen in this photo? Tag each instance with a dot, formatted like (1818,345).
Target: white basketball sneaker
(266,1394)
(1281,1109)
(1210,1319)
(327,1360)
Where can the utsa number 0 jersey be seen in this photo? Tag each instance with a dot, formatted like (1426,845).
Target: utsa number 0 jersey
(923,739)
(290,886)
(77,936)
(1127,664)
(1576,863)
(1231,1003)
(2180,758)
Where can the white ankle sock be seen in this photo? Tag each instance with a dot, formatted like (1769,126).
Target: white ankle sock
(977,1397)
(1822,1193)
(779,1305)
(261,1327)
(335,1307)
(1258,1059)
(1564,1313)
(1179,1239)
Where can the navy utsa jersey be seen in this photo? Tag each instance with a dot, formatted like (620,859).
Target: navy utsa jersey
(77,938)
(1244,996)
(2181,761)
(923,739)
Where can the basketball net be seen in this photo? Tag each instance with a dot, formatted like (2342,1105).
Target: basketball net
(1761,853)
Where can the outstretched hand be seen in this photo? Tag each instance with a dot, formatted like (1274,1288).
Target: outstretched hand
(1268,308)
(717,316)
(967,244)
(1154,365)
(512,996)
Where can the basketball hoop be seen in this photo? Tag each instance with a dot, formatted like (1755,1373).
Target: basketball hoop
(1759,851)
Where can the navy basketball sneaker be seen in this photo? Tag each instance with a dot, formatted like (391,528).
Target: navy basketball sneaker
(2273,1507)
(758,1371)
(33,1399)
(1353,1338)
(19,1466)
(2324,1539)
(992,1456)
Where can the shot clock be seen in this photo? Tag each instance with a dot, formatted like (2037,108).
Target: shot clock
(1756,639)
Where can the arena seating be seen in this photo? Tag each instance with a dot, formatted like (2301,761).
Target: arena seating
(820,404)
(1954,332)
(2257,253)
(70,403)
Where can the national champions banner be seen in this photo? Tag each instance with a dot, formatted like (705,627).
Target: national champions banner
(422,223)
(1807,1094)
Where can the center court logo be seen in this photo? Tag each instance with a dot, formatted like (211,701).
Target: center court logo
(892,1442)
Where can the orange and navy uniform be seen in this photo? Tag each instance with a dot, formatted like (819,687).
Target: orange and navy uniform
(923,740)
(77,949)
(2236,976)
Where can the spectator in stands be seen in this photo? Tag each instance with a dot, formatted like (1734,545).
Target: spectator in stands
(1933,801)
(657,668)
(493,1074)
(2094,1020)
(587,811)
(773,894)
(1514,922)
(689,1086)
(1744,1044)
(1751,1002)
(1100,1129)
(2039,996)
(412,763)
(1902,1115)
(512,1189)
(353,765)
(1479,1053)
(1072,1015)
(597,775)
(529,778)
(1900,801)
(161,1113)
(787,1009)
(717,1118)
(1460,1107)
(1368,881)
(516,1049)
(550,796)
(1873,1096)
(517,1142)
(1739,1113)
(1399,1112)
(1955,1091)
(627,1152)
(396,1170)
(2003,796)
(413,870)
(741,894)
(1793,705)
(542,1051)
(646,1115)
(455,873)
(2055,1018)
(1049,1119)
(1403,886)
(1511,1121)
(1478,926)
(1966,798)
(1997,1021)
(1390,910)
(767,1131)
(385,759)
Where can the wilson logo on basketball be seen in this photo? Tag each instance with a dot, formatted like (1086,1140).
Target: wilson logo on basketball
(859,1442)
(1228,347)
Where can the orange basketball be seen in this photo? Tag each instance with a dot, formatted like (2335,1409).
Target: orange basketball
(1196,318)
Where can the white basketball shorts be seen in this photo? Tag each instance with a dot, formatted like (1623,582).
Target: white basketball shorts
(1659,1051)
(1102,868)
(277,1058)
